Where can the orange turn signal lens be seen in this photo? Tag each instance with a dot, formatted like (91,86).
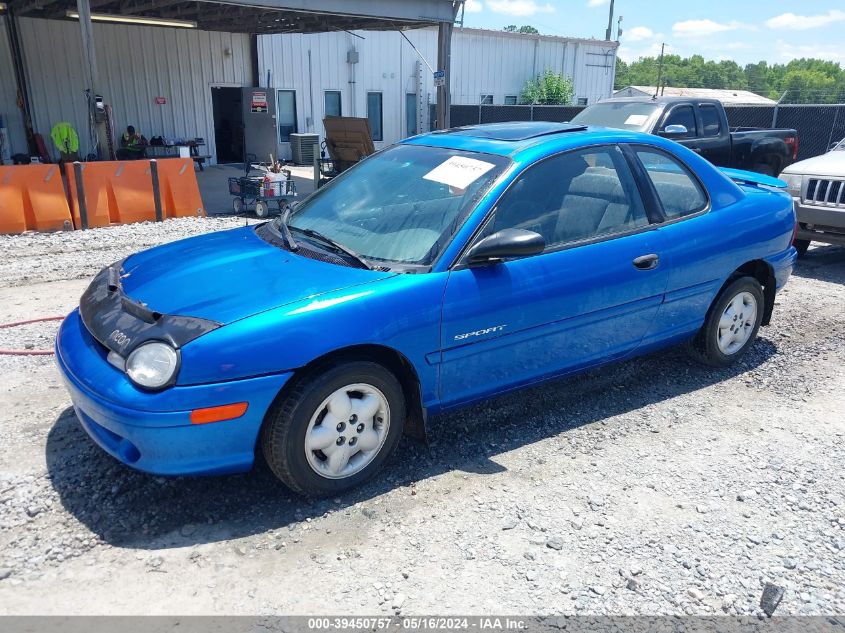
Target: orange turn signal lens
(218,414)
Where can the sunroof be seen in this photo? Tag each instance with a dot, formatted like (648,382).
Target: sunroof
(518,130)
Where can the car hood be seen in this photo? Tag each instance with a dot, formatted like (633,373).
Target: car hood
(830,164)
(229,275)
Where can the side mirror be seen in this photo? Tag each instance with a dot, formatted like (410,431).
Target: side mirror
(506,243)
(674,131)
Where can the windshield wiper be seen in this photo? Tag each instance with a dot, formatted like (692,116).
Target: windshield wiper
(284,229)
(337,246)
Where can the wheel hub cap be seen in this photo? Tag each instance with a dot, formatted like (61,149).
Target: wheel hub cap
(347,431)
(737,323)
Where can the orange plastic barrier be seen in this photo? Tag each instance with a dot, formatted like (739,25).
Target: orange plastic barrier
(116,192)
(120,192)
(32,198)
(180,193)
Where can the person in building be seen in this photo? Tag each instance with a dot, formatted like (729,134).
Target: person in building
(133,145)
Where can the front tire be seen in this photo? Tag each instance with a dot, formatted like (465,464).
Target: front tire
(335,429)
(731,324)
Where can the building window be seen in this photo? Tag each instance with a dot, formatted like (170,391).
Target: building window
(582,101)
(286,114)
(510,99)
(333,106)
(486,99)
(411,114)
(374,114)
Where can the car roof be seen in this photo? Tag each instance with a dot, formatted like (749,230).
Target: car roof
(662,100)
(509,139)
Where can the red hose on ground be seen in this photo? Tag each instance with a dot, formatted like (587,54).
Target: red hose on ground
(28,352)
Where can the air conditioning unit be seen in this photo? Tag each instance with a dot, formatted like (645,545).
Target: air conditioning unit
(304,147)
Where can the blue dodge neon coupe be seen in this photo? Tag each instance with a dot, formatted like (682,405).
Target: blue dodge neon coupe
(447,269)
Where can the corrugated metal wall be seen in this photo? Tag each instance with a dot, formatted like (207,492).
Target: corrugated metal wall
(8,96)
(136,64)
(387,64)
(497,63)
(483,63)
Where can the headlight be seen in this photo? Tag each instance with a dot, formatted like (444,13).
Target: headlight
(152,365)
(793,183)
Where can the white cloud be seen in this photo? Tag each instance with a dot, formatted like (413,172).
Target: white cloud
(630,54)
(637,34)
(787,52)
(473,6)
(596,3)
(519,8)
(704,28)
(801,22)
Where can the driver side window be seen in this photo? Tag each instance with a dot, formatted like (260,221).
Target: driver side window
(682,115)
(573,197)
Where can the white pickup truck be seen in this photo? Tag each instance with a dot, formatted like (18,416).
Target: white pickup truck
(817,186)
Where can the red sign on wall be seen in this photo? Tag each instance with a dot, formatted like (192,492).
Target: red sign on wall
(160,100)
(259,102)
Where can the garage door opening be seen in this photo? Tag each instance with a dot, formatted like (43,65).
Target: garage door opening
(228,124)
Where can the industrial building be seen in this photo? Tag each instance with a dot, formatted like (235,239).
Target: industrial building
(181,83)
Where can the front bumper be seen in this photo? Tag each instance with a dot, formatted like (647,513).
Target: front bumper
(152,431)
(820,224)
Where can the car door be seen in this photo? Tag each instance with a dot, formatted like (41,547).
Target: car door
(692,238)
(590,296)
(714,141)
(682,114)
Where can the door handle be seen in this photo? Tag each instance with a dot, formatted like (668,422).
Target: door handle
(647,262)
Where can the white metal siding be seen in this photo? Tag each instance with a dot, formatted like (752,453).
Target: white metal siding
(12,117)
(136,64)
(483,62)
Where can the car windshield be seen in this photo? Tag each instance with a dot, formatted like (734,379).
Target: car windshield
(840,146)
(623,115)
(400,205)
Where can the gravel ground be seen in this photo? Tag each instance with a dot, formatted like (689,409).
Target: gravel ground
(655,486)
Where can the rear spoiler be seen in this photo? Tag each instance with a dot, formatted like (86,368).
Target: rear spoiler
(743,177)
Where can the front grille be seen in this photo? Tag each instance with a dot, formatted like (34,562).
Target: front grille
(825,192)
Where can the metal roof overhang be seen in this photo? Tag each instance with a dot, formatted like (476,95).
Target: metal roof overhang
(263,16)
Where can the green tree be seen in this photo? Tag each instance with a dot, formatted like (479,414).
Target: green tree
(803,80)
(512,28)
(548,88)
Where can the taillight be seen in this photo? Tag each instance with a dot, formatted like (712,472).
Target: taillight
(792,141)
(794,231)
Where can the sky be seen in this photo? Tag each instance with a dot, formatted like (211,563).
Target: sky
(746,31)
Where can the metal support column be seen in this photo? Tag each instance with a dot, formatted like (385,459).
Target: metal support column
(21,80)
(89,56)
(444,58)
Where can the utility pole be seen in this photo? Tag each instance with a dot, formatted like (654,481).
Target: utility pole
(659,71)
(608,34)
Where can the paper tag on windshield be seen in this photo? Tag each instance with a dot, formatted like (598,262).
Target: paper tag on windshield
(459,171)
(636,119)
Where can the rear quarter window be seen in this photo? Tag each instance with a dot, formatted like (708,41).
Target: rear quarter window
(679,192)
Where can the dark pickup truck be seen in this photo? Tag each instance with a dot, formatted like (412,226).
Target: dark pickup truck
(701,125)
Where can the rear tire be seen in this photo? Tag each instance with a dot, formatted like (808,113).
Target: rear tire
(238,205)
(801,246)
(314,440)
(262,209)
(731,324)
(765,169)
